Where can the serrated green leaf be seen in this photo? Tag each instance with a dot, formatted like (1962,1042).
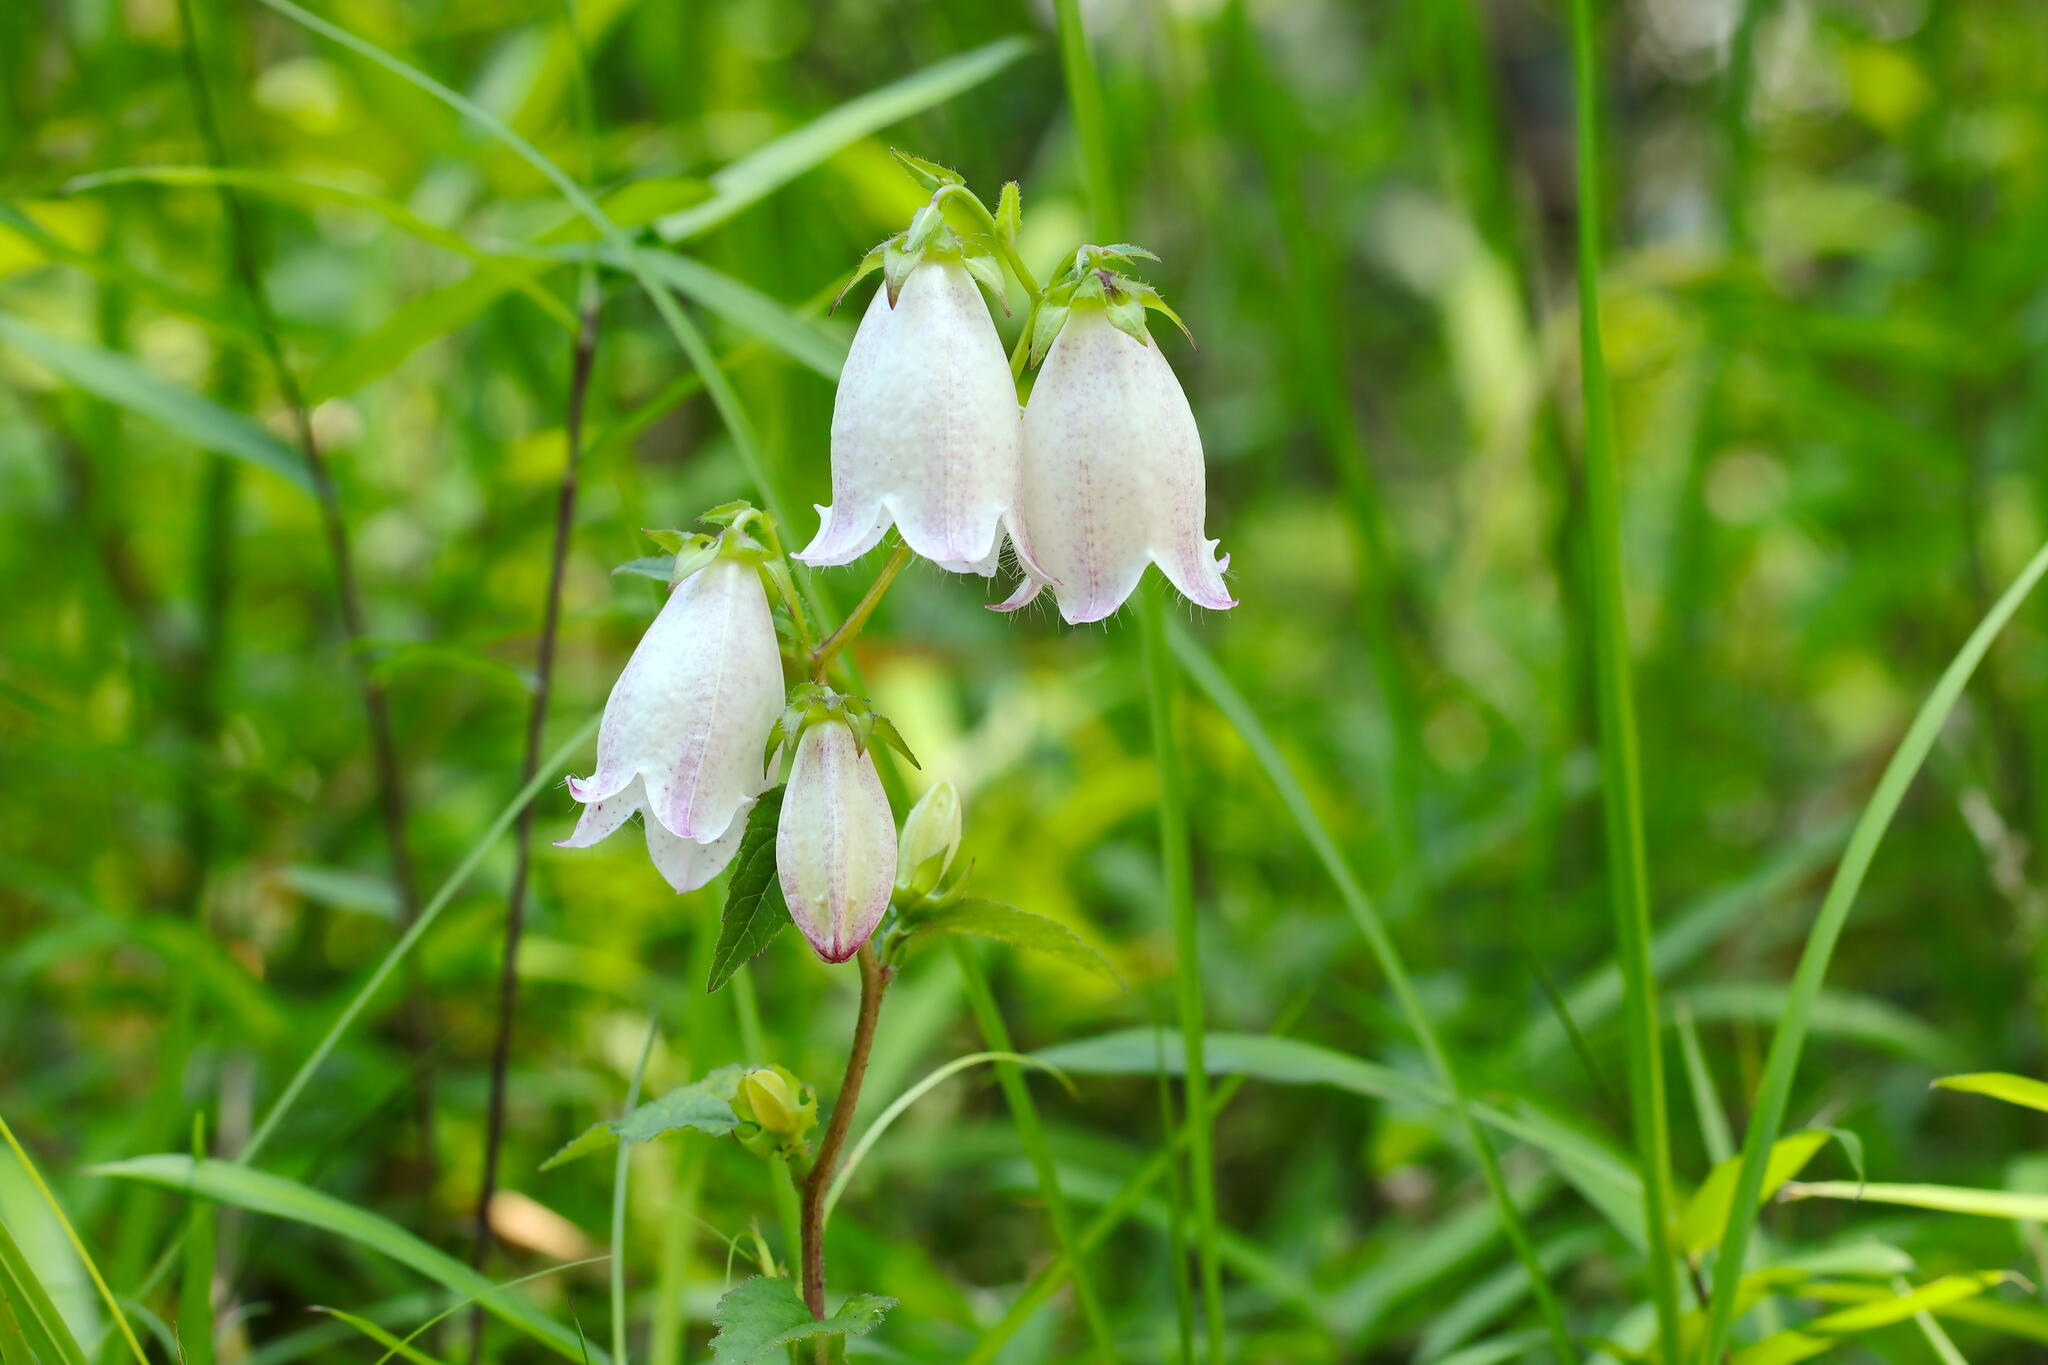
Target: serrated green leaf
(125,384)
(1126,251)
(1019,929)
(754,909)
(703,1106)
(759,1316)
(2024,1091)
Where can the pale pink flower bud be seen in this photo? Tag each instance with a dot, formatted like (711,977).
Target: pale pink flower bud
(683,729)
(924,430)
(835,848)
(1113,476)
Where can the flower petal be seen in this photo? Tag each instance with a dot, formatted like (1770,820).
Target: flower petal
(686,864)
(601,818)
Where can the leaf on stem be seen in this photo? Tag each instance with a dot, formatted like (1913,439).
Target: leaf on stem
(1019,929)
(754,908)
(703,1106)
(759,1316)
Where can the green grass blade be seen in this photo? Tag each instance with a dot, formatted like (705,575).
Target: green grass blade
(99,1281)
(301,189)
(1620,769)
(620,1170)
(753,177)
(122,382)
(43,1329)
(1790,1036)
(546,775)
(1226,698)
(1177,864)
(274,1196)
(195,1294)
(2024,1091)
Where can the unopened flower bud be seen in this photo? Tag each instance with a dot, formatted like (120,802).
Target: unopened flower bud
(777,1102)
(835,843)
(931,836)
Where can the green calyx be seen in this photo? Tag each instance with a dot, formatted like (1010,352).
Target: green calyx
(776,1112)
(1091,280)
(816,704)
(954,226)
(746,533)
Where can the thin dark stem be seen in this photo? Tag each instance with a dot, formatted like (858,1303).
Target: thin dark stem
(376,708)
(874,980)
(581,364)
(821,657)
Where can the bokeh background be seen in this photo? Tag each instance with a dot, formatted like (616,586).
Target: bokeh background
(1826,303)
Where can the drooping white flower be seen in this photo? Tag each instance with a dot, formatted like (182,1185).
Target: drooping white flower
(1112,475)
(682,733)
(835,846)
(924,430)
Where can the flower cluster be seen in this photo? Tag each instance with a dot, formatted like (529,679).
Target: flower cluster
(1098,475)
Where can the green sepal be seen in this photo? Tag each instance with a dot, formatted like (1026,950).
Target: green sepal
(989,272)
(869,264)
(1046,326)
(1127,315)
(1149,296)
(672,541)
(924,229)
(735,513)
(1009,213)
(929,174)
(885,729)
(897,263)
(1124,251)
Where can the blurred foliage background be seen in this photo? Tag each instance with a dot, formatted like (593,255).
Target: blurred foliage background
(1825,314)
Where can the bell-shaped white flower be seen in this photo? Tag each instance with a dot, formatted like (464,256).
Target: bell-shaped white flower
(683,729)
(835,847)
(924,430)
(1112,476)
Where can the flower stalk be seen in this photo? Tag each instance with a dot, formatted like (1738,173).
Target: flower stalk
(812,1185)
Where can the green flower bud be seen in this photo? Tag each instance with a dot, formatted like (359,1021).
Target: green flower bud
(931,836)
(777,1103)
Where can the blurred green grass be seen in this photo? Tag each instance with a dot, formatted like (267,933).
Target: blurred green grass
(1823,319)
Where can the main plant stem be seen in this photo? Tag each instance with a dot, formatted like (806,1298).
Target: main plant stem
(874,981)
